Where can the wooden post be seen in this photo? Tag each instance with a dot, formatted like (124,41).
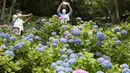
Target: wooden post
(3,10)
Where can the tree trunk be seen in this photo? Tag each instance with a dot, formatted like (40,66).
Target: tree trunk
(11,8)
(3,10)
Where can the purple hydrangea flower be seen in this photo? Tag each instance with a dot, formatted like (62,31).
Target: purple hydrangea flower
(62,51)
(55,41)
(54,44)
(66,33)
(106,64)
(117,29)
(63,40)
(78,41)
(53,65)
(72,61)
(13,39)
(75,32)
(124,66)
(100,36)
(72,55)
(18,46)
(37,37)
(80,27)
(95,27)
(60,68)
(9,53)
(115,39)
(99,43)
(59,62)
(63,56)
(126,70)
(71,40)
(65,64)
(3,46)
(64,27)
(101,59)
(118,42)
(68,69)
(31,40)
(7,36)
(39,49)
(31,35)
(61,72)
(69,51)
(124,32)
(53,33)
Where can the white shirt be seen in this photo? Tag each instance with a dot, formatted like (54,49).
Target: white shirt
(18,22)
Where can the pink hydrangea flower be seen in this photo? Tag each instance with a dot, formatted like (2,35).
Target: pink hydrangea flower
(80,71)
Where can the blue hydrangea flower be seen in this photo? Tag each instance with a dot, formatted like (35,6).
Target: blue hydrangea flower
(124,32)
(95,27)
(2,34)
(64,27)
(69,51)
(31,40)
(80,27)
(34,29)
(101,59)
(18,46)
(61,72)
(126,70)
(106,57)
(39,49)
(117,29)
(66,45)
(37,37)
(54,44)
(65,64)
(53,65)
(106,64)
(59,62)
(53,33)
(80,54)
(72,55)
(100,36)
(22,43)
(78,41)
(71,40)
(31,35)
(13,39)
(118,42)
(3,46)
(25,38)
(63,56)
(68,69)
(62,51)
(60,68)
(75,32)
(45,47)
(9,53)
(99,72)
(66,60)
(72,61)
(124,66)
(63,40)
(99,43)
(55,41)
(7,36)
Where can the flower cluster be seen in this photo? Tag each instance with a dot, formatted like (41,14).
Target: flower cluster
(75,32)
(41,48)
(19,45)
(105,62)
(53,33)
(116,29)
(100,36)
(80,71)
(67,59)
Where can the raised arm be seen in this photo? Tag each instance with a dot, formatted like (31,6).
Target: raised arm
(21,16)
(70,12)
(28,19)
(58,10)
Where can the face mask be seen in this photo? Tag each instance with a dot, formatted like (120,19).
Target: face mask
(63,11)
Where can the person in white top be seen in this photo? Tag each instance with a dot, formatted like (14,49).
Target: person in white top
(64,14)
(18,22)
